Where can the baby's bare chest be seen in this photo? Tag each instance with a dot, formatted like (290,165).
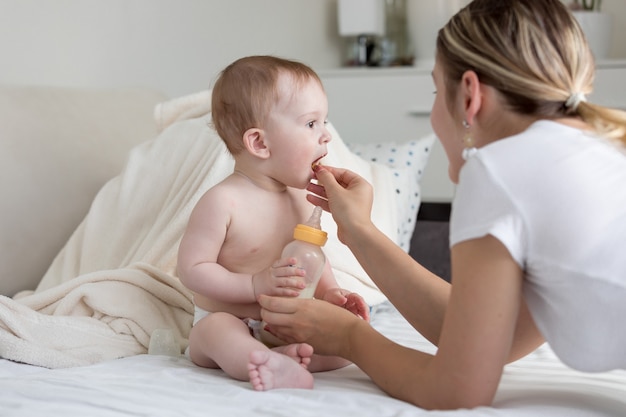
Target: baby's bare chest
(256,237)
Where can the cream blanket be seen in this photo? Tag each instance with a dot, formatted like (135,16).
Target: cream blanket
(114,282)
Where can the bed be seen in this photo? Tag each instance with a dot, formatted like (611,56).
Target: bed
(79,344)
(151,385)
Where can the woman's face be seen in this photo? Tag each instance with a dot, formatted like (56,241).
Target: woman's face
(448,127)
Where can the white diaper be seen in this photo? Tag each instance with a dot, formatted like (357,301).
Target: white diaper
(255,326)
(199,314)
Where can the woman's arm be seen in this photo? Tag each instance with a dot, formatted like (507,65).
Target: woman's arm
(476,337)
(419,295)
(477,334)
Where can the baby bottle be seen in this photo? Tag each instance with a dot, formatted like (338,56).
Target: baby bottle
(306,249)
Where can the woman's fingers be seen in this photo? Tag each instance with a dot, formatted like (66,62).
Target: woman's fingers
(277,306)
(317,201)
(317,189)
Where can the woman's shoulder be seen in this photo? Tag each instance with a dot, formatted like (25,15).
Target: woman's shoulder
(544,141)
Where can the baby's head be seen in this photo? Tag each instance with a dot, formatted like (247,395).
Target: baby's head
(246,92)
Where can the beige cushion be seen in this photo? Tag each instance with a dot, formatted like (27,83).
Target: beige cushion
(58,146)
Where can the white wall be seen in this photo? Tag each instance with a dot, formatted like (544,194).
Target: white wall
(617,9)
(177,46)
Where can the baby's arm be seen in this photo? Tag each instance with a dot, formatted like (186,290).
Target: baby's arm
(198,266)
(328,290)
(199,249)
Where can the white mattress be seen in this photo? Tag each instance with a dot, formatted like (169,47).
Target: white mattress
(145,385)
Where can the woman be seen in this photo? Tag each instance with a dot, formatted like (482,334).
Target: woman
(537,225)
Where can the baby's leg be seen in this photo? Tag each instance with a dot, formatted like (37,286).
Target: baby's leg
(270,369)
(320,363)
(221,340)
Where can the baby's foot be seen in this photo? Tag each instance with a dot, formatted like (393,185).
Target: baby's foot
(299,352)
(268,369)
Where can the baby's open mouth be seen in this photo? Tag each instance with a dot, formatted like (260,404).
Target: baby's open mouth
(317,162)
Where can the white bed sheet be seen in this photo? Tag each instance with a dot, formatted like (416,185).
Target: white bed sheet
(147,385)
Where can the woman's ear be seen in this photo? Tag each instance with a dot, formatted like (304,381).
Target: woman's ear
(254,142)
(471,95)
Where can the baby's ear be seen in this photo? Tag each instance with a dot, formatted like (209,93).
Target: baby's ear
(254,141)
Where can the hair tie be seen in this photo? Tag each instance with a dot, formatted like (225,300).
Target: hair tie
(574,100)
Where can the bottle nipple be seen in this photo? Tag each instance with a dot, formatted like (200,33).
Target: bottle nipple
(311,231)
(315,219)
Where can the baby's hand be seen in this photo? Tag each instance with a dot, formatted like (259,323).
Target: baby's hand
(281,279)
(351,301)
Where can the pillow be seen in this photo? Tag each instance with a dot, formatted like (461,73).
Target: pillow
(407,161)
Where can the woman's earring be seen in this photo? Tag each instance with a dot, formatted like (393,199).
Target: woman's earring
(468,141)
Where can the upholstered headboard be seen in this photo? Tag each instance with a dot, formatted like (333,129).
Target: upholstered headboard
(58,147)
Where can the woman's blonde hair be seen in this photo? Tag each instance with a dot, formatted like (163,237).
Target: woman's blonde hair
(532,51)
(247,90)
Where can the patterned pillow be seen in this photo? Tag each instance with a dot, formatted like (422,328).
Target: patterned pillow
(407,161)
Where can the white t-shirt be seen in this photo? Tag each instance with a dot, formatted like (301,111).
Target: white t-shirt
(556,198)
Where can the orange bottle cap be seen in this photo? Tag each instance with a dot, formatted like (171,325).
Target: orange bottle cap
(310,234)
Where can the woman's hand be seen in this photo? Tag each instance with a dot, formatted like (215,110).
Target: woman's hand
(323,325)
(345,194)
(281,279)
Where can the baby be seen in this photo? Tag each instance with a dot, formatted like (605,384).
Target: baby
(271,114)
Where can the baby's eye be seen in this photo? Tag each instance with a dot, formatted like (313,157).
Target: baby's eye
(325,122)
(311,124)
